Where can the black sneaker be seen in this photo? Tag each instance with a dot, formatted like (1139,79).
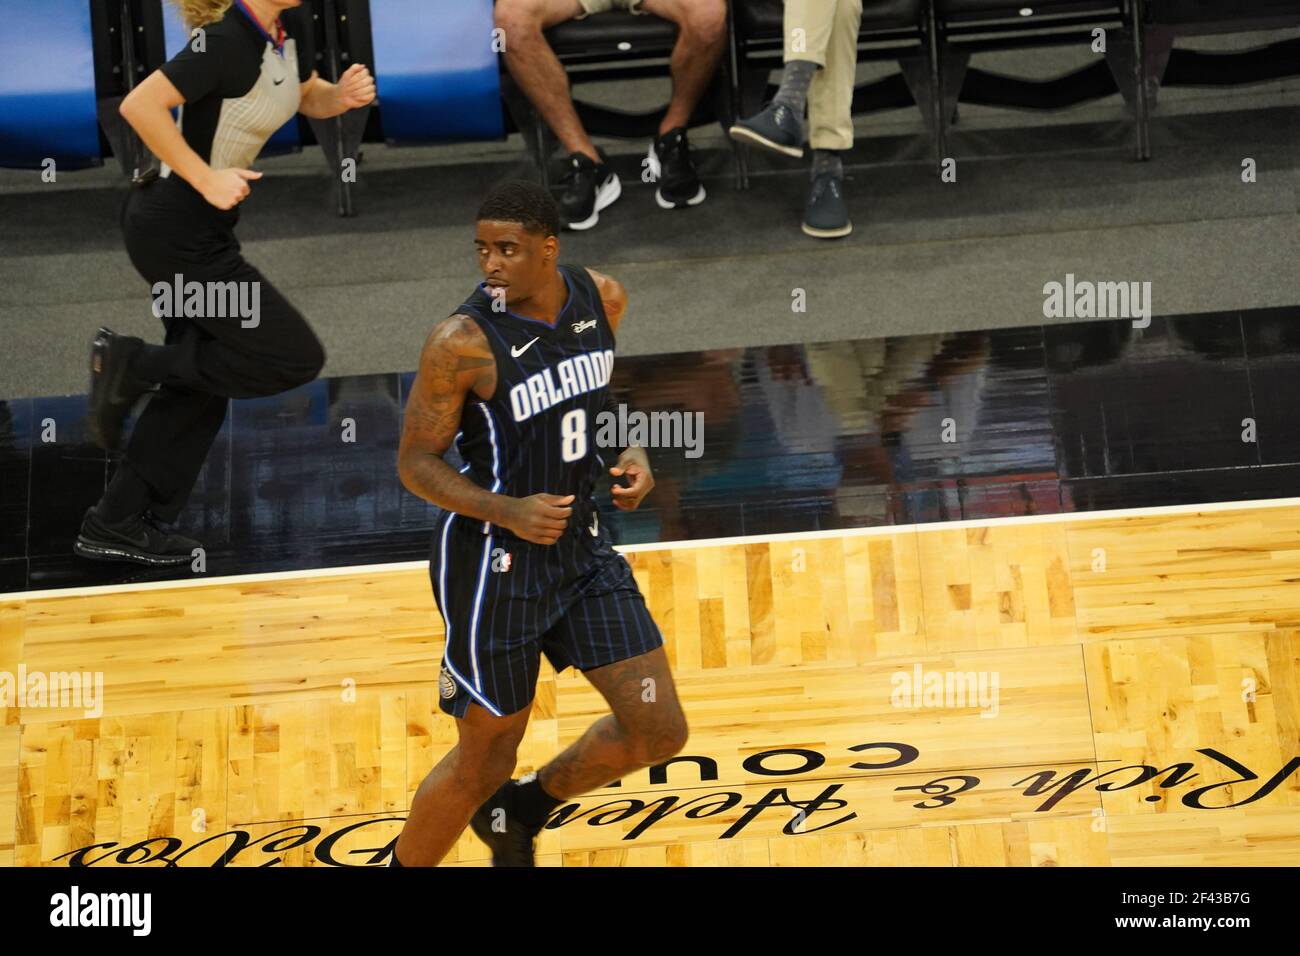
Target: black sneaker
(586,188)
(669,162)
(141,538)
(515,846)
(774,127)
(826,216)
(113,390)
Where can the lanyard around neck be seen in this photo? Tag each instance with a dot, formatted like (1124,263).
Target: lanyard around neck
(277,41)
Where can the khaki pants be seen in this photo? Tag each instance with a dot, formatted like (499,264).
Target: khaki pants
(828,36)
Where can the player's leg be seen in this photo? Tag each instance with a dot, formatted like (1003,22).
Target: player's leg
(482,760)
(646,726)
(538,71)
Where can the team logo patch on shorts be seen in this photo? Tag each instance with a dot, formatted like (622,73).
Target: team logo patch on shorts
(446,686)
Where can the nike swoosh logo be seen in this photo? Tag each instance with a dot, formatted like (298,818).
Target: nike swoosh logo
(279,81)
(518,352)
(595,524)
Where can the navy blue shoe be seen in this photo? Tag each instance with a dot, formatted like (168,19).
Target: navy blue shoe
(774,127)
(826,216)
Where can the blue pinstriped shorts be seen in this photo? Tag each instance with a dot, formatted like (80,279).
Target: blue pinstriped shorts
(506,601)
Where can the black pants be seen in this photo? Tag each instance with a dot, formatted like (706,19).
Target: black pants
(170,229)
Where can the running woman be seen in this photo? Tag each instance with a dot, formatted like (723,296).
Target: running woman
(244,74)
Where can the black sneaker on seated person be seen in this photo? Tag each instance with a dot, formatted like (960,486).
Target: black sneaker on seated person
(142,539)
(113,389)
(586,188)
(669,161)
(497,824)
(774,127)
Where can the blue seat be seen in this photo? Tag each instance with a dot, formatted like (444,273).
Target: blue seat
(47,85)
(435,70)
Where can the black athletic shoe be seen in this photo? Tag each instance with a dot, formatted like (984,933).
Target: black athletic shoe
(669,161)
(586,189)
(113,390)
(826,216)
(515,846)
(142,539)
(774,127)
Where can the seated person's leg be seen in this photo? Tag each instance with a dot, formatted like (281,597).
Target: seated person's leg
(779,126)
(701,35)
(830,113)
(589,184)
(535,67)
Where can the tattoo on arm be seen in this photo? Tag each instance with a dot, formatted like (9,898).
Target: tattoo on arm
(456,359)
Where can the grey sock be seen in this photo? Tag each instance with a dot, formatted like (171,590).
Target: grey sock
(795,80)
(827,161)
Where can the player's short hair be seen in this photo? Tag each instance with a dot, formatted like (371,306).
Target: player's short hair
(525,202)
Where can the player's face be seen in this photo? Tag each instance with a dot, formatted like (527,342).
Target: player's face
(514,258)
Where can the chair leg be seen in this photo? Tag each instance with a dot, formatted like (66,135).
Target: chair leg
(938,114)
(542,155)
(735,57)
(1142,102)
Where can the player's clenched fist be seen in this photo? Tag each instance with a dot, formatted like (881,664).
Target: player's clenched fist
(539,518)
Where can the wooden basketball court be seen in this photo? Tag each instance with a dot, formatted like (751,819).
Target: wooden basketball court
(1090,689)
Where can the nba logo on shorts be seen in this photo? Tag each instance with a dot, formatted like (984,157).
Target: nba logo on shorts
(446,686)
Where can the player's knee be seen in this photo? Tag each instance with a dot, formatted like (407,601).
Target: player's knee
(662,743)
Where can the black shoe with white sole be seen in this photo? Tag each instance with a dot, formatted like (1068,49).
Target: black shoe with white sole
(142,539)
(113,389)
(511,841)
(826,216)
(775,127)
(586,188)
(670,163)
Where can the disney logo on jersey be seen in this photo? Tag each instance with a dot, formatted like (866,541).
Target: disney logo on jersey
(584,326)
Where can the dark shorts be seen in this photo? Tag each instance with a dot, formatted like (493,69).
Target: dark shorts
(505,602)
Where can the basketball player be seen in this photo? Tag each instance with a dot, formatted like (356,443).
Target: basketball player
(237,81)
(520,564)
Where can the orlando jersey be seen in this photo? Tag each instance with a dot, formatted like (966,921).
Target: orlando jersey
(537,433)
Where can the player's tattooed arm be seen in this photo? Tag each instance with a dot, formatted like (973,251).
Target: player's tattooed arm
(612,296)
(456,360)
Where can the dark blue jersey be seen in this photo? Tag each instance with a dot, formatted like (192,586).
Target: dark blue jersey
(537,433)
